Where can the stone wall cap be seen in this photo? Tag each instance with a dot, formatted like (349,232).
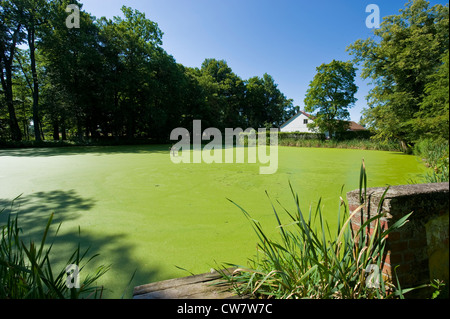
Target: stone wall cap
(404,190)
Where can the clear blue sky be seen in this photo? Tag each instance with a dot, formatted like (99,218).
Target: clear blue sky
(287,39)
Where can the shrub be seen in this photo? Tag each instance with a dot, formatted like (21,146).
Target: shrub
(435,154)
(351,135)
(363,144)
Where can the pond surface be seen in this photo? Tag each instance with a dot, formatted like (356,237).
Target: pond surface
(142,212)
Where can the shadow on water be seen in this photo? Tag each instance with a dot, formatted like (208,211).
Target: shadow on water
(104,150)
(34,208)
(85,150)
(33,213)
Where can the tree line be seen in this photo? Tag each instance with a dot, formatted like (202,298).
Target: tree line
(112,78)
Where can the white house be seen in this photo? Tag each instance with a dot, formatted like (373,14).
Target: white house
(300,121)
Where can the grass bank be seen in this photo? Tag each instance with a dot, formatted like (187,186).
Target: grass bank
(360,144)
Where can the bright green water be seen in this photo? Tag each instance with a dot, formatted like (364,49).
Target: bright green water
(140,211)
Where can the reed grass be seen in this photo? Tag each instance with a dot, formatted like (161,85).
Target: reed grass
(361,144)
(309,260)
(27,272)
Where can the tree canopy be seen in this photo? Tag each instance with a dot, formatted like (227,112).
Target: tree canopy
(330,95)
(111,78)
(407,62)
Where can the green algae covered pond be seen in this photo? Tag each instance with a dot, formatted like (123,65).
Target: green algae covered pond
(141,212)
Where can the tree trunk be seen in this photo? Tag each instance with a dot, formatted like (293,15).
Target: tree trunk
(63,130)
(55,130)
(79,129)
(330,131)
(16,134)
(37,124)
(6,79)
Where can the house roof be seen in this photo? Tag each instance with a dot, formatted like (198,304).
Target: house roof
(353,125)
(356,127)
(295,116)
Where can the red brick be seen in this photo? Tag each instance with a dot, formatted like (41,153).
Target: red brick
(395,258)
(384,224)
(387,270)
(408,256)
(387,258)
(405,267)
(406,233)
(356,220)
(355,227)
(398,246)
(416,243)
(394,236)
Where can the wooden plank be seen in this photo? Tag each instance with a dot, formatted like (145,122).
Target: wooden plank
(171,283)
(201,290)
(204,286)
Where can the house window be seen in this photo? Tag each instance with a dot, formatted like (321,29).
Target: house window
(305,121)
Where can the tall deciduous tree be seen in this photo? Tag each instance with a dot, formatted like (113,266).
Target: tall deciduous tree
(265,104)
(226,92)
(331,94)
(11,35)
(111,77)
(74,64)
(32,14)
(22,89)
(132,42)
(401,60)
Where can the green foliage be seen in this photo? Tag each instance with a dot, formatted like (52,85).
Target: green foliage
(347,140)
(432,120)
(265,105)
(26,271)
(360,144)
(111,78)
(224,93)
(330,95)
(71,91)
(406,61)
(300,136)
(351,135)
(440,289)
(435,154)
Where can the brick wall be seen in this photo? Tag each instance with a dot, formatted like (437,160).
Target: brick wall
(420,247)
